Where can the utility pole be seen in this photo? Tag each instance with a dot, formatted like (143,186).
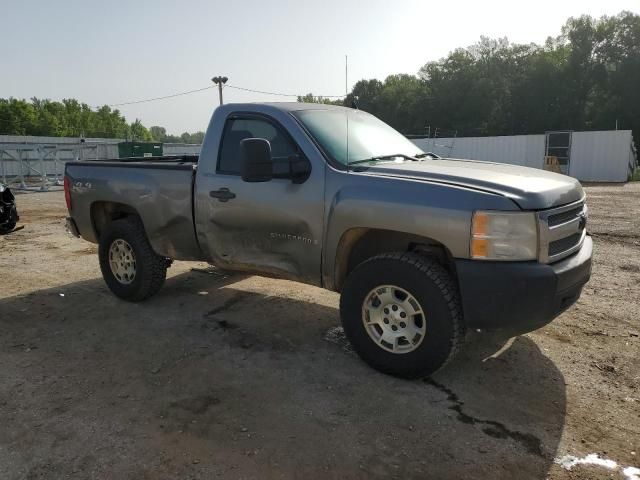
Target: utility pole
(219,81)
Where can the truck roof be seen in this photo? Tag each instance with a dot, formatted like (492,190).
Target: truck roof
(285,106)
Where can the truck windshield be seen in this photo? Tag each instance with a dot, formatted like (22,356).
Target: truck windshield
(354,136)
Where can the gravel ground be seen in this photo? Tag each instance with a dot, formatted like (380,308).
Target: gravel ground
(244,377)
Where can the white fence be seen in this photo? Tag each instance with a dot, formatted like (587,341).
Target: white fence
(28,159)
(20,162)
(526,150)
(601,156)
(605,156)
(181,148)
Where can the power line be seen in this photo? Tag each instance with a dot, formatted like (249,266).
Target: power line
(133,102)
(160,98)
(280,94)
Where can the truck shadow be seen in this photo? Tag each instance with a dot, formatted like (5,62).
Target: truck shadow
(236,382)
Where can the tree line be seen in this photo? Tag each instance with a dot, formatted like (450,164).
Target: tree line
(70,118)
(586,78)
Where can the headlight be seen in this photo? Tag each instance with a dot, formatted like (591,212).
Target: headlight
(504,236)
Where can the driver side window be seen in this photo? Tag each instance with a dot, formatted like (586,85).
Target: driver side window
(238,129)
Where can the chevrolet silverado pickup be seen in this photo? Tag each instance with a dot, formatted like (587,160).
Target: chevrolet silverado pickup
(420,248)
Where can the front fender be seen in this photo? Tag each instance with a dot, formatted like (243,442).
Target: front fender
(439,212)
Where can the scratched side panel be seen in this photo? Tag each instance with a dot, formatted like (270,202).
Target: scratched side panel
(162,198)
(273,228)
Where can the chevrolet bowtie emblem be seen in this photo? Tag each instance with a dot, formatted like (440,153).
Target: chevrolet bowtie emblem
(583,222)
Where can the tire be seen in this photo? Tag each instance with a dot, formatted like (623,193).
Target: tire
(127,235)
(431,338)
(11,222)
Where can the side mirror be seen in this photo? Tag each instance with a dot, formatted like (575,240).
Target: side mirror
(256,164)
(299,168)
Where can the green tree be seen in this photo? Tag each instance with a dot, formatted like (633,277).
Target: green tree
(587,77)
(17,117)
(70,118)
(197,137)
(311,98)
(365,94)
(172,139)
(139,132)
(158,133)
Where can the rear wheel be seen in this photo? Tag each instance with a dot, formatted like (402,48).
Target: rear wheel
(401,312)
(130,267)
(12,220)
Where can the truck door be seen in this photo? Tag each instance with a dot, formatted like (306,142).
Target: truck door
(269,227)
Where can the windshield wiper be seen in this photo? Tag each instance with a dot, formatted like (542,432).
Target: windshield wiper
(384,157)
(428,154)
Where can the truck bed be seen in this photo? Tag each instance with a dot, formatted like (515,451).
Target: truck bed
(160,161)
(160,188)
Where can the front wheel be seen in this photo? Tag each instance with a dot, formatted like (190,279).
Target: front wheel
(401,312)
(12,220)
(130,267)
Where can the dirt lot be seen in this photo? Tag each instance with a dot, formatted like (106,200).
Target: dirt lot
(245,377)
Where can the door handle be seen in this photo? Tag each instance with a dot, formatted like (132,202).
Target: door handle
(223,195)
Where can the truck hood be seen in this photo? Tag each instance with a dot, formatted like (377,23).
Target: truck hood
(530,188)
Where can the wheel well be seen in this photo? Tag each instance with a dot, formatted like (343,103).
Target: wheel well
(103,213)
(359,244)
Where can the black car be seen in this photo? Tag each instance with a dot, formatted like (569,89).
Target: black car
(8,212)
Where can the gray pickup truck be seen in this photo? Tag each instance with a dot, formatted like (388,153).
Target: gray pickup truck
(420,248)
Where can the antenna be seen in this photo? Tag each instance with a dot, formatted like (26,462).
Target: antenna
(346,74)
(346,114)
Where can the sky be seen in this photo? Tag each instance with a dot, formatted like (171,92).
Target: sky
(109,52)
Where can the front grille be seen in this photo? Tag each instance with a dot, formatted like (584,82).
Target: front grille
(562,231)
(564,244)
(563,217)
